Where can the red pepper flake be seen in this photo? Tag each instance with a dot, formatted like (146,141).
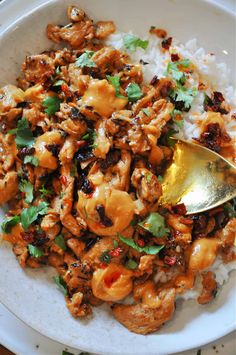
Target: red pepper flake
(141,243)
(103,266)
(175,57)
(180,209)
(154,80)
(63,180)
(170,260)
(80,144)
(159,32)
(166,43)
(115,252)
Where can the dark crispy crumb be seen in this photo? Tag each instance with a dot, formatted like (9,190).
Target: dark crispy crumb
(166,43)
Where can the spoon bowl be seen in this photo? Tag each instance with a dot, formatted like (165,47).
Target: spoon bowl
(198,177)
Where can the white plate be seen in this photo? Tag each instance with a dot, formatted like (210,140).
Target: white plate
(31,294)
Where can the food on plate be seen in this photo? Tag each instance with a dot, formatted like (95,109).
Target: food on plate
(85,138)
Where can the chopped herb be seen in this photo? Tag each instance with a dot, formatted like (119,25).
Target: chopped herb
(155,224)
(183,94)
(134,92)
(26,187)
(149,249)
(131,264)
(160,178)
(60,241)
(51,105)
(134,221)
(9,223)
(169,141)
(177,74)
(85,60)
(105,257)
(34,251)
(149,177)
(131,42)
(29,215)
(231,209)
(24,136)
(93,137)
(62,194)
(85,137)
(65,352)
(146,111)
(58,71)
(115,243)
(61,284)
(45,192)
(29,159)
(115,81)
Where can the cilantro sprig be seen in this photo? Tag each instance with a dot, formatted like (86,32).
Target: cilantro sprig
(132,42)
(51,105)
(134,92)
(29,159)
(9,223)
(35,251)
(61,284)
(148,249)
(155,224)
(24,135)
(26,187)
(115,81)
(29,215)
(60,241)
(85,60)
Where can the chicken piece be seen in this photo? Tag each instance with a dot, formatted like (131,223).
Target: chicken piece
(104,28)
(50,225)
(137,139)
(76,306)
(77,246)
(141,319)
(76,34)
(43,149)
(147,185)
(10,96)
(75,14)
(101,96)
(203,253)
(115,207)
(21,252)
(74,127)
(146,293)
(8,152)
(68,150)
(112,283)
(78,82)
(146,263)
(102,143)
(35,94)
(209,288)
(183,227)
(94,254)
(108,58)
(227,235)
(38,68)
(33,115)
(8,187)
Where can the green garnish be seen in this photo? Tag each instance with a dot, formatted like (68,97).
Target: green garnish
(60,241)
(105,257)
(131,42)
(131,264)
(9,223)
(149,249)
(29,159)
(85,60)
(91,135)
(134,92)
(61,284)
(26,187)
(24,136)
(58,83)
(146,111)
(29,215)
(115,243)
(155,224)
(183,94)
(231,208)
(149,177)
(173,70)
(51,105)
(178,122)
(115,81)
(45,192)
(34,251)
(160,178)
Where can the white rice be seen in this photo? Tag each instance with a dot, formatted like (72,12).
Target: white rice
(217,78)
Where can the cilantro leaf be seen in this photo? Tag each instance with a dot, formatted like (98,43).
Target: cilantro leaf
(29,159)
(29,215)
(61,284)
(183,94)
(131,42)
(177,74)
(105,257)
(146,111)
(85,60)
(59,82)
(51,105)
(24,136)
(134,92)
(45,192)
(155,224)
(160,178)
(149,249)
(131,264)
(9,223)
(34,251)
(60,241)
(26,187)
(115,81)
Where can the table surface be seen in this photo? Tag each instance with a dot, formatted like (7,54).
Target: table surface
(26,340)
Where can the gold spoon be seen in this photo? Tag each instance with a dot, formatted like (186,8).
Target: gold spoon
(198,177)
